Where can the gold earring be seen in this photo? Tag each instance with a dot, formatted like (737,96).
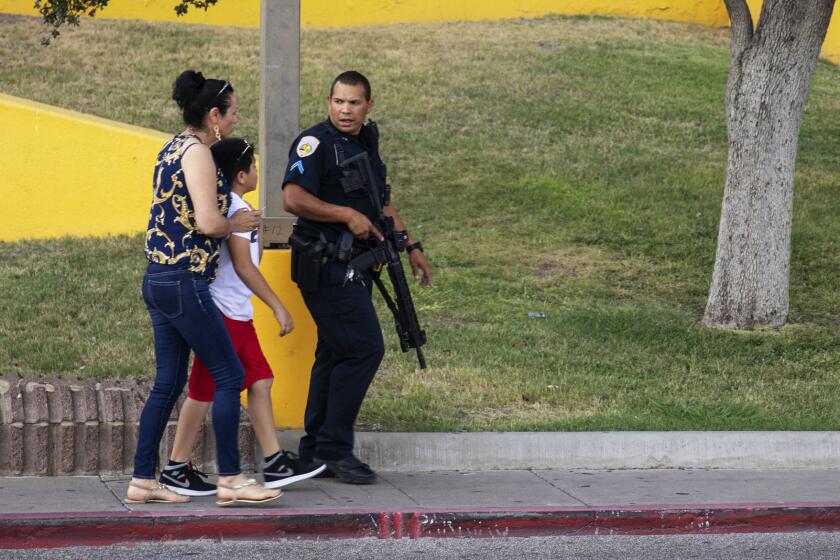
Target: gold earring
(216,132)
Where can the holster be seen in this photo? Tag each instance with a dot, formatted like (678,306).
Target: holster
(307,261)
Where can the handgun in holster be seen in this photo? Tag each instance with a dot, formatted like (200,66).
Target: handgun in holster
(307,260)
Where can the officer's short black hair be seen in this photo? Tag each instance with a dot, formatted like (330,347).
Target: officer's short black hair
(352,78)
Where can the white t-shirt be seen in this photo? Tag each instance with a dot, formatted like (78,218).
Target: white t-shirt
(231,295)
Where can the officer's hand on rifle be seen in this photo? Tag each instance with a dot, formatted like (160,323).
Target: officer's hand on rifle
(360,226)
(419,264)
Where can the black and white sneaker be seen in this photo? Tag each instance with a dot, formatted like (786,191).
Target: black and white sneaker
(185,480)
(285,468)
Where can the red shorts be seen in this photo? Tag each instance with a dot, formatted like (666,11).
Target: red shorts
(244,338)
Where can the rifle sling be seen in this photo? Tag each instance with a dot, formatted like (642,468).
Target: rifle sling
(386,296)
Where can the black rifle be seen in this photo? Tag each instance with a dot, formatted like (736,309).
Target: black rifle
(387,253)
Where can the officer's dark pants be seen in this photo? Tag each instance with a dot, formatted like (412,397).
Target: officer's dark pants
(348,354)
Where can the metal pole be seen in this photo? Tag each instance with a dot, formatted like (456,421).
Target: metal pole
(279,124)
(279,109)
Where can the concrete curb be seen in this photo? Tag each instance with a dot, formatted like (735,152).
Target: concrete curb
(51,426)
(594,450)
(102,529)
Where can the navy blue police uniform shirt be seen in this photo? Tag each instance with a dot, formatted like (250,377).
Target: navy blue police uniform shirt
(314,165)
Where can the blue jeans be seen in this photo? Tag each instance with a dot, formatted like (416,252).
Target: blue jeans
(184,317)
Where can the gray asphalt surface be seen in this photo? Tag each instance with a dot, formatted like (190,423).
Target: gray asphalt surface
(758,546)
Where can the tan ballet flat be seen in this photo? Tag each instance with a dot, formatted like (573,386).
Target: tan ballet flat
(158,494)
(241,493)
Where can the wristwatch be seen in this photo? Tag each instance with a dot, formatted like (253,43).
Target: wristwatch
(416,245)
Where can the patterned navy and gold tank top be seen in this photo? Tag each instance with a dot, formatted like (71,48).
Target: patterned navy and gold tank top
(173,237)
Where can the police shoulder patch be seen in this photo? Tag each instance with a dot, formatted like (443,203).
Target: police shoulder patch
(307,146)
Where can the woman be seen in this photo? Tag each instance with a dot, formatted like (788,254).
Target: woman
(186,227)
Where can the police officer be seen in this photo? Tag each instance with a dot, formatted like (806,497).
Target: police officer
(350,345)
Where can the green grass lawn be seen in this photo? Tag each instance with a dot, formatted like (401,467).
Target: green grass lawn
(568,166)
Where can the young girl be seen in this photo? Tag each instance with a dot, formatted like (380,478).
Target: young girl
(237,280)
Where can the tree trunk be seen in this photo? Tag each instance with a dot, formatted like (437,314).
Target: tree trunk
(770,72)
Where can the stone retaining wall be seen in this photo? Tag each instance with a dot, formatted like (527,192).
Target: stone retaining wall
(51,426)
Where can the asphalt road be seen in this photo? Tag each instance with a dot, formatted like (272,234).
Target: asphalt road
(758,546)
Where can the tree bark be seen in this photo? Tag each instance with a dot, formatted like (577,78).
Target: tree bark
(770,72)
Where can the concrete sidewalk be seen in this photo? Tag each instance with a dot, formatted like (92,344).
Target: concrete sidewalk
(66,511)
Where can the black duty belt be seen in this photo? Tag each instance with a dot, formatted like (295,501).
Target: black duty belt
(341,251)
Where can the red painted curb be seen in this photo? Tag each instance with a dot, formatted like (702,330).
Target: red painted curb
(99,529)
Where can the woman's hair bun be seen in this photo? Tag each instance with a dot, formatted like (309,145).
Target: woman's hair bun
(187,87)
(196,96)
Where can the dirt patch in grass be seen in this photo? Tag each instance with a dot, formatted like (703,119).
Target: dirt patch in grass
(575,262)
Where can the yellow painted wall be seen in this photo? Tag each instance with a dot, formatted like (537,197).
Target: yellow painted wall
(65,173)
(243,13)
(291,356)
(73,174)
(317,13)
